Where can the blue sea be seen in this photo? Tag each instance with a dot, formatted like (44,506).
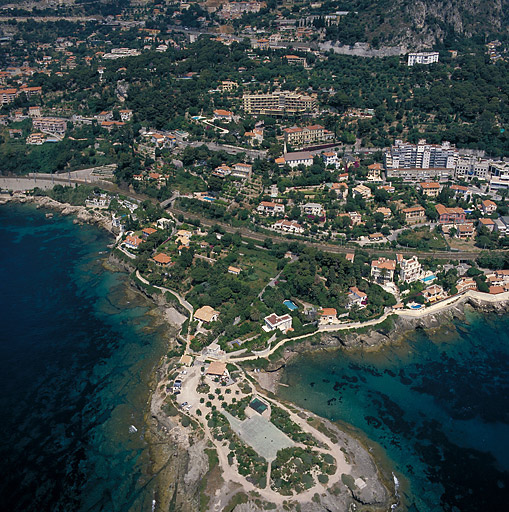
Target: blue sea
(77,351)
(436,407)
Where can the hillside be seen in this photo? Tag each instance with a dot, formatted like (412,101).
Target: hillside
(422,23)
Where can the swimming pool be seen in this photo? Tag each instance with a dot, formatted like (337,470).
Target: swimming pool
(290,305)
(416,306)
(207,198)
(428,279)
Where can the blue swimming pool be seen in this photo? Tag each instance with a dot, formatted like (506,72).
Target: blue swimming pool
(290,305)
(416,306)
(428,279)
(207,198)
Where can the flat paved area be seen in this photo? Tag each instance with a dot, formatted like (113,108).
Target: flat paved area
(265,438)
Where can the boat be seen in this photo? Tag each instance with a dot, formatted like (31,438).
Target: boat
(132,429)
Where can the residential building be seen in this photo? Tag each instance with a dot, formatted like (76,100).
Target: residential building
(357,297)
(375,237)
(502,226)
(299,137)
(459,190)
(382,270)
(146,232)
(430,188)
(450,215)
(388,188)
(465,283)
(350,257)
(341,189)
(424,58)
(224,115)
(434,293)
(328,316)
(126,115)
(34,111)
(36,139)
(133,242)
(295,60)
(234,270)
(260,44)
(489,224)
(386,212)
(270,208)
(374,172)
(109,125)
(53,125)
(414,214)
(278,103)
(330,158)
(227,85)
(355,217)
(465,231)
(272,322)
(411,270)
(315,209)
(222,171)
(421,161)
(289,226)
(7,96)
(206,314)
(162,260)
(241,170)
(362,190)
(472,167)
(488,207)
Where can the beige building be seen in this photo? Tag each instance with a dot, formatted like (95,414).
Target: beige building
(206,314)
(414,214)
(296,136)
(278,103)
(51,125)
(382,270)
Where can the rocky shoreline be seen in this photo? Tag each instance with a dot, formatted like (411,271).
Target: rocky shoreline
(375,337)
(83,214)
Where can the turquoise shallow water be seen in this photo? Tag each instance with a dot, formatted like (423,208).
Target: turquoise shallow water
(77,349)
(438,408)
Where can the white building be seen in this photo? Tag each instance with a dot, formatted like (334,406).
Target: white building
(270,208)
(422,58)
(315,209)
(471,167)
(421,156)
(411,270)
(241,170)
(295,159)
(289,226)
(364,191)
(272,322)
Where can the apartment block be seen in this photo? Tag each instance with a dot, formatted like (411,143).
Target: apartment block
(421,156)
(278,103)
(425,58)
(54,125)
